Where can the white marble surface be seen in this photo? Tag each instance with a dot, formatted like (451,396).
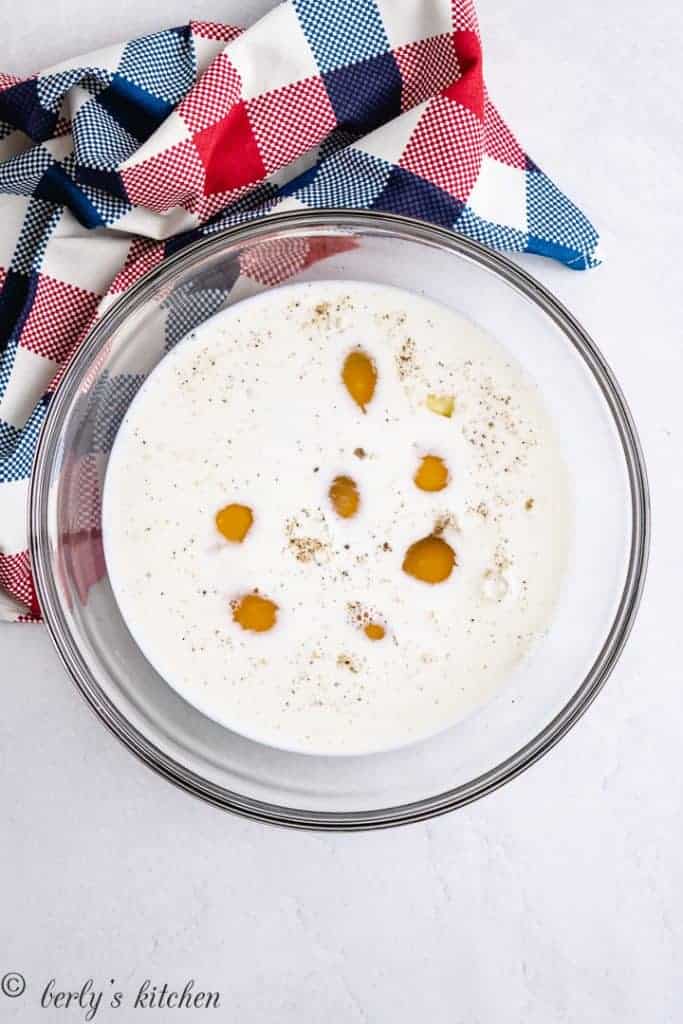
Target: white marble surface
(559,898)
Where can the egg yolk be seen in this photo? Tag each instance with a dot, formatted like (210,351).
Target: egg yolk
(234,522)
(359,374)
(430,560)
(344,496)
(255,612)
(432,474)
(442,405)
(374,631)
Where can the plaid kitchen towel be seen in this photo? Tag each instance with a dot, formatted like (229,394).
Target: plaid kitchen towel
(110,162)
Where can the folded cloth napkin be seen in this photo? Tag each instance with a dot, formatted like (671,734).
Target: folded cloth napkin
(110,162)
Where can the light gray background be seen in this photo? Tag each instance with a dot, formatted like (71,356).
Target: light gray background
(559,898)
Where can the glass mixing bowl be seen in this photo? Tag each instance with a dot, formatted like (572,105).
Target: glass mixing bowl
(539,703)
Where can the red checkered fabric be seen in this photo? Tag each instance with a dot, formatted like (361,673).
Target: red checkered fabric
(289,121)
(454,164)
(499,142)
(204,207)
(271,262)
(166,179)
(7,80)
(464,16)
(143,256)
(58,315)
(214,30)
(16,580)
(213,96)
(426,67)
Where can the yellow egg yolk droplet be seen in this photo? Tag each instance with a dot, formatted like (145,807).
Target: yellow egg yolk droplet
(442,405)
(234,522)
(432,474)
(344,496)
(360,377)
(374,631)
(255,612)
(430,560)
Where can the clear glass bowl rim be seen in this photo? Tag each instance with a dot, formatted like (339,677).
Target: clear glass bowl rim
(142,746)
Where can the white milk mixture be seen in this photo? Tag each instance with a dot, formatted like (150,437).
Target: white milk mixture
(252,409)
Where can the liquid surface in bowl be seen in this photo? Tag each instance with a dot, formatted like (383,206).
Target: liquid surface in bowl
(336,517)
